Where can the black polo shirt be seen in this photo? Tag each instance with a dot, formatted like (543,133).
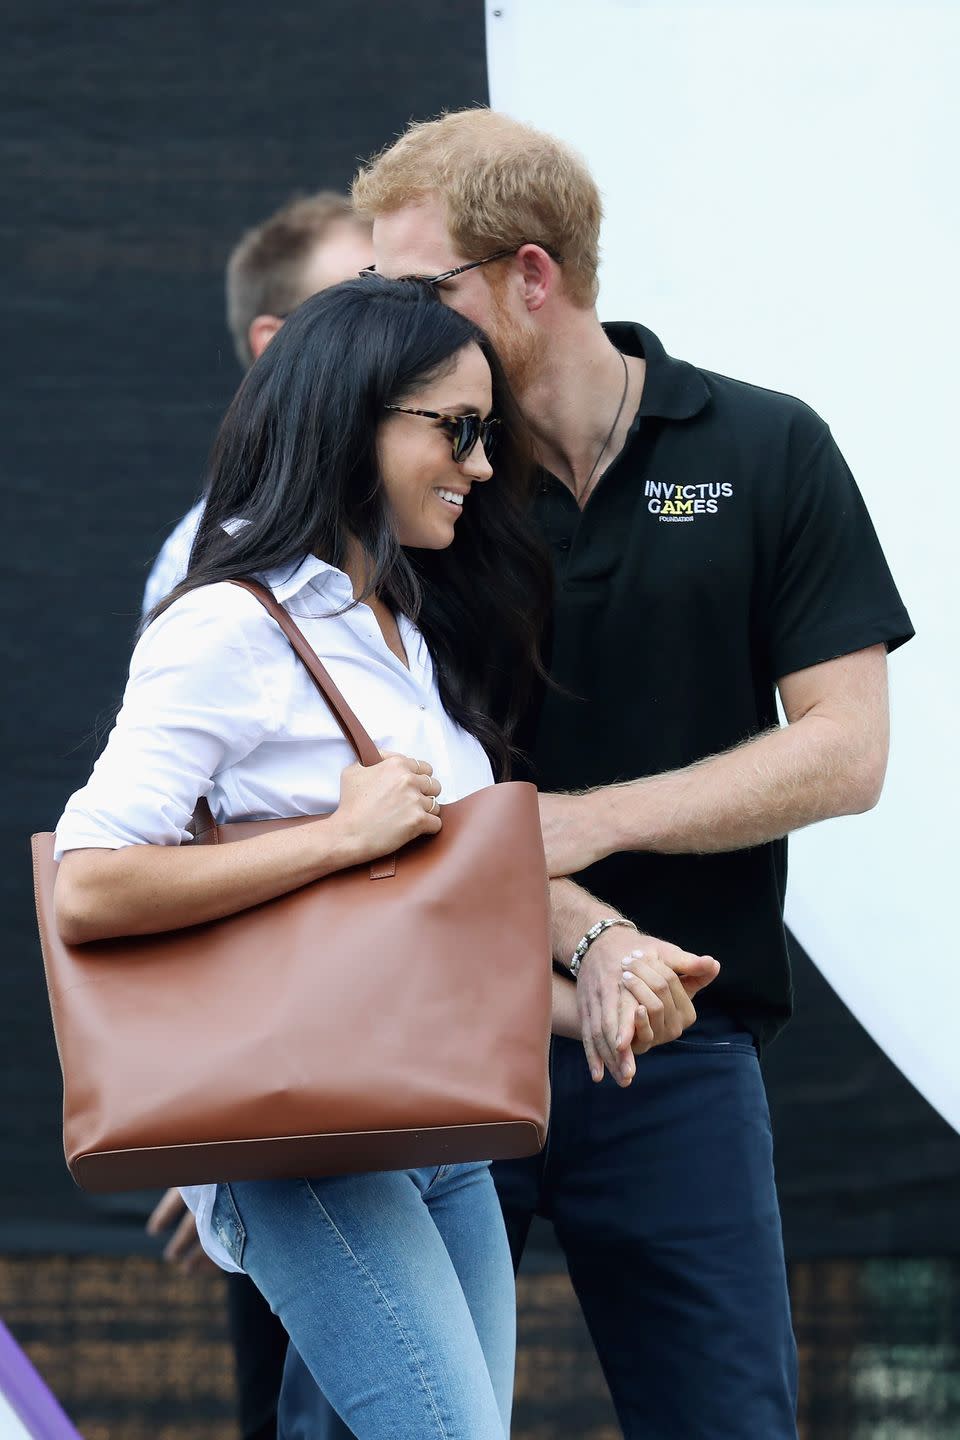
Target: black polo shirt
(725,547)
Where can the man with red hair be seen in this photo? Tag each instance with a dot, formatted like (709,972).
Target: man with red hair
(711,550)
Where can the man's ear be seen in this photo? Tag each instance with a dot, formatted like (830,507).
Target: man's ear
(537,272)
(261,332)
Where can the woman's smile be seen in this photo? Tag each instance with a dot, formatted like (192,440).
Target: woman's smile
(453,499)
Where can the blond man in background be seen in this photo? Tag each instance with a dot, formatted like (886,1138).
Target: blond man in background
(311,243)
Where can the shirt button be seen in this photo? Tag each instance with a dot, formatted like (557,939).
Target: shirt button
(563,545)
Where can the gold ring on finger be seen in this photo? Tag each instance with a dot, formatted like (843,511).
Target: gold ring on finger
(434,807)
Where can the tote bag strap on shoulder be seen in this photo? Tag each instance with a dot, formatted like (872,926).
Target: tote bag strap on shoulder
(204,826)
(364,748)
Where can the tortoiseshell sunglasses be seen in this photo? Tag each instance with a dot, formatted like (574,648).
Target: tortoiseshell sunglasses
(464,430)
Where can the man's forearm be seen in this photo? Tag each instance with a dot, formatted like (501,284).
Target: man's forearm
(572,911)
(829,760)
(764,789)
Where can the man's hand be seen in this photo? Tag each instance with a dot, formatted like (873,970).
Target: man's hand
(617,983)
(183,1249)
(573,833)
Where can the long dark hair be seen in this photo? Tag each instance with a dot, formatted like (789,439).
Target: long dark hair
(296,459)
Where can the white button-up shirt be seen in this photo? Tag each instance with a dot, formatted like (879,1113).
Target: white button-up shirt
(218,704)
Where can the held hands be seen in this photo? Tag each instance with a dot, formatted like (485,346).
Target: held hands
(384,806)
(630,1001)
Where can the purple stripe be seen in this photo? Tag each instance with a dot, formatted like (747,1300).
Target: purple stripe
(32,1402)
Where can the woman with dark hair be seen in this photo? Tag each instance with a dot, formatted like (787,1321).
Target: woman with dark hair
(351,476)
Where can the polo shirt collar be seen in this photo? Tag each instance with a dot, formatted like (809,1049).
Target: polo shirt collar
(672,389)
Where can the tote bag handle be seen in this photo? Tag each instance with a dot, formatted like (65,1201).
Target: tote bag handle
(204,826)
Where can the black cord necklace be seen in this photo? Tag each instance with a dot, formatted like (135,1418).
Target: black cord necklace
(579,494)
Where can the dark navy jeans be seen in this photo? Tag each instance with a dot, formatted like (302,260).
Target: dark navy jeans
(663,1201)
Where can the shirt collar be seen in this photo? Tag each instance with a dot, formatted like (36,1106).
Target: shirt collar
(312,573)
(672,389)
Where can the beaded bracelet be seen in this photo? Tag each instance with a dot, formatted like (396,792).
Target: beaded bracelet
(576,960)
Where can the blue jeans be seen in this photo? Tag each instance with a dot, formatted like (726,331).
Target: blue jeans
(396,1289)
(663,1201)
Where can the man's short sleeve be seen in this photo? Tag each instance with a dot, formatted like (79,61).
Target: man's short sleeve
(832,590)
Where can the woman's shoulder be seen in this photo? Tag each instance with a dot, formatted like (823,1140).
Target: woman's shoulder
(220,618)
(222,603)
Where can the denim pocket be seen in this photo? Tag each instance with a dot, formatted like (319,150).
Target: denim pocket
(227,1226)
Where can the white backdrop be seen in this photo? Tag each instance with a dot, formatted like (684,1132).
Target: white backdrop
(781,205)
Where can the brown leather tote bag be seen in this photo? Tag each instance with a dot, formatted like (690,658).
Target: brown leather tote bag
(390,1015)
